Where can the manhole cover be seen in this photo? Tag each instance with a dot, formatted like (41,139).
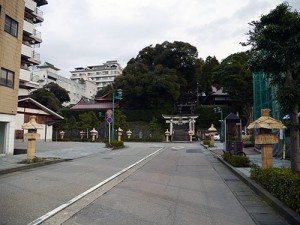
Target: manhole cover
(193,151)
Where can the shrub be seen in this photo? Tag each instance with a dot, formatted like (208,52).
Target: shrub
(236,160)
(115,144)
(282,183)
(248,144)
(206,142)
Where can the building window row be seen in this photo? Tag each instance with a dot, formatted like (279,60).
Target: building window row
(7,78)
(11,26)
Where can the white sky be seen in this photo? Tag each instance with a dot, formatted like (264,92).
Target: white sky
(80,33)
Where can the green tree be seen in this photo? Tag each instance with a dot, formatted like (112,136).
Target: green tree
(61,94)
(275,47)
(159,76)
(88,120)
(46,98)
(106,90)
(206,76)
(120,121)
(235,78)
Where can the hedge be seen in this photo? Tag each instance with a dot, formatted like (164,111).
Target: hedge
(282,183)
(236,160)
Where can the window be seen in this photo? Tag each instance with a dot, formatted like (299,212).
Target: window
(11,26)
(7,78)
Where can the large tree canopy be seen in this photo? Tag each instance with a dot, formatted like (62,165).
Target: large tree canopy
(235,78)
(51,95)
(275,42)
(61,93)
(206,77)
(159,75)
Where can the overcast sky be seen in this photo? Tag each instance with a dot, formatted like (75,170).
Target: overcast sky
(80,33)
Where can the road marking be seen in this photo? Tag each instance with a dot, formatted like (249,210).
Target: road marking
(78,197)
(178,147)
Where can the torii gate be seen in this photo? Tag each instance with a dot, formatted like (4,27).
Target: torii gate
(176,119)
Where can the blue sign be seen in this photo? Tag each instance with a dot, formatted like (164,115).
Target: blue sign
(109,120)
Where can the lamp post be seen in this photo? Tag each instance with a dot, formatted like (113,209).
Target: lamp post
(119,97)
(219,110)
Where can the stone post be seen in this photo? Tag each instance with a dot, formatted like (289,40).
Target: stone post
(167,133)
(93,134)
(129,132)
(212,131)
(120,132)
(32,135)
(191,135)
(62,134)
(81,134)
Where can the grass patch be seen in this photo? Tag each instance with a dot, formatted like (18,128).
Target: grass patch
(38,160)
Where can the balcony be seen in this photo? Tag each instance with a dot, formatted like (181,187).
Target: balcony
(26,50)
(28,27)
(28,56)
(38,16)
(32,12)
(30,5)
(24,74)
(36,36)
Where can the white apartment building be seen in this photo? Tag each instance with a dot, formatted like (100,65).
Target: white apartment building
(103,75)
(48,73)
(31,39)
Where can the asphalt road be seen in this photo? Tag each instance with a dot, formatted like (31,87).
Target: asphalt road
(29,194)
(180,187)
(181,183)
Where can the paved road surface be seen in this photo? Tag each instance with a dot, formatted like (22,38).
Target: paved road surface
(180,184)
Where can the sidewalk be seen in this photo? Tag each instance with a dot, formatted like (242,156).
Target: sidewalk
(254,156)
(244,175)
(63,151)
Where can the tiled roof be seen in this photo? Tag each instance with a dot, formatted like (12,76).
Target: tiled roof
(97,105)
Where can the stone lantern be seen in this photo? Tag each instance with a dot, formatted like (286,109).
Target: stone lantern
(120,132)
(81,134)
(62,134)
(93,134)
(167,133)
(129,132)
(212,131)
(266,139)
(32,135)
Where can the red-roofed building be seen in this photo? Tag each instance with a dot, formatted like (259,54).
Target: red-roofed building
(102,103)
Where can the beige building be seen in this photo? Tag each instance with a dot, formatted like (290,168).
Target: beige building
(14,54)
(11,26)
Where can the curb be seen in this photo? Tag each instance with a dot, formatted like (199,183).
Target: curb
(30,166)
(289,214)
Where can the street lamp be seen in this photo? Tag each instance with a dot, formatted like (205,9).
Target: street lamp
(119,97)
(219,110)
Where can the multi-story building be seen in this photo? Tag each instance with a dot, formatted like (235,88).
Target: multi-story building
(11,25)
(103,75)
(48,73)
(31,39)
(17,38)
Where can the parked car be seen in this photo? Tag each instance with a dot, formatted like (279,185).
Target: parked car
(217,137)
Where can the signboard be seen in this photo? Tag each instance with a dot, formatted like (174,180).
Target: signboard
(109,120)
(109,113)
